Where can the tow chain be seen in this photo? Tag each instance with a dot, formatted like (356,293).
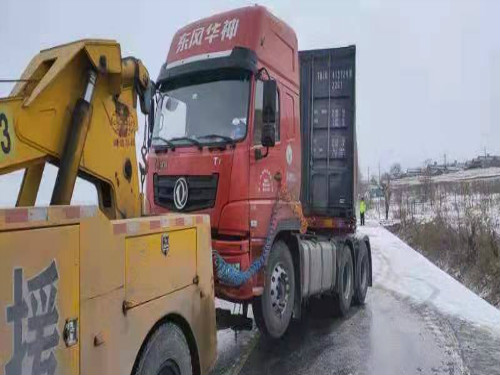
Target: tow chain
(227,274)
(143,168)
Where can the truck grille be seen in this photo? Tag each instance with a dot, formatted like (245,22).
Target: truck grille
(202,191)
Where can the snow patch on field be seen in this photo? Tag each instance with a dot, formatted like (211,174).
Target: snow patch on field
(465,175)
(400,269)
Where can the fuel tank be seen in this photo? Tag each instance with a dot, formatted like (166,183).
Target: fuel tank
(319,271)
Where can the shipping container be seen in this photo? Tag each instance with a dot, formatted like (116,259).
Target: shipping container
(329,160)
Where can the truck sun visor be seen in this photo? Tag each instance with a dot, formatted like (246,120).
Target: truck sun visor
(238,58)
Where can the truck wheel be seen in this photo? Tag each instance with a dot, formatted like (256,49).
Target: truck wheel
(362,272)
(346,282)
(166,353)
(273,310)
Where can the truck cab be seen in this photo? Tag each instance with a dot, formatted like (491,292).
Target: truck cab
(207,154)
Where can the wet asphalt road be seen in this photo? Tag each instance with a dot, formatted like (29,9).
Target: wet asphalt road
(386,336)
(390,334)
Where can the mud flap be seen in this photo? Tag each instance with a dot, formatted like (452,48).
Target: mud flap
(238,322)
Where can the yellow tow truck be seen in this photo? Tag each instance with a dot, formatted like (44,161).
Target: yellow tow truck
(95,290)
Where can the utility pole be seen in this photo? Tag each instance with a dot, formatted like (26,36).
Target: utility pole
(378,200)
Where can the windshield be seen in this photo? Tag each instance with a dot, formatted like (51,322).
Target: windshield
(204,112)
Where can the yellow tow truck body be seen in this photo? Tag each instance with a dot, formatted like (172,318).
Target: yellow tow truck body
(83,289)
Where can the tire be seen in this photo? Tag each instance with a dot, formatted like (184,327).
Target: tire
(166,353)
(362,274)
(345,282)
(273,310)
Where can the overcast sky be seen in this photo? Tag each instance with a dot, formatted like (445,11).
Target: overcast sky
(428,72)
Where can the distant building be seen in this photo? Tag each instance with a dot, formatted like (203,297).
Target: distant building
(436,169)
(439,169)
(485,161)
(413,172)
(453,168)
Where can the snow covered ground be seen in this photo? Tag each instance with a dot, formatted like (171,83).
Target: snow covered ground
(465,175)
(474,199)
(455,209)
(402,270)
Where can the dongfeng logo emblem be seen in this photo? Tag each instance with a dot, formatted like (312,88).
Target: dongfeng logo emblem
(180,193)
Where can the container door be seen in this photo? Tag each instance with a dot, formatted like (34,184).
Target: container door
(327,94)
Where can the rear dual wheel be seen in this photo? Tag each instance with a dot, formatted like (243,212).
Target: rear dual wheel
(345,282)
(362,272)
(349,291)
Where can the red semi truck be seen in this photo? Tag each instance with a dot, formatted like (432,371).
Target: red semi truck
(246,124)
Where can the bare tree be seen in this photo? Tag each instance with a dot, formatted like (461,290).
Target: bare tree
(427,163)
(396,170)
(427,186)
(363,188)
(385,184)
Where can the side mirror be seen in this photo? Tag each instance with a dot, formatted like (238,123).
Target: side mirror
(146,99)
(151,120)
(269,104)
(268,138)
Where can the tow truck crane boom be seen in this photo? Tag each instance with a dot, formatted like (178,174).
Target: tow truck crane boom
(51,115)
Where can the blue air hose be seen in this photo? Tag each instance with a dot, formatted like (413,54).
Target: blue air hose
(229,275)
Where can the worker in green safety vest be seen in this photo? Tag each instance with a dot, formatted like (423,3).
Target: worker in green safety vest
(362,210)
